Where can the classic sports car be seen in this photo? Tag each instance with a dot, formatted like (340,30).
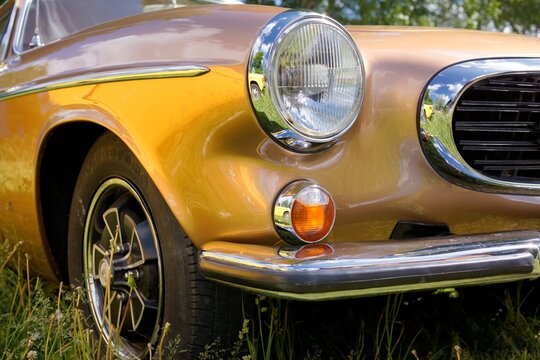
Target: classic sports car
(151,150)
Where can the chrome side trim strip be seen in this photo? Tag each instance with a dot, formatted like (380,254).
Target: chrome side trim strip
(435,128)
(375,268)
(142,73)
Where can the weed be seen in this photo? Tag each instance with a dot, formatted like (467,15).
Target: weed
(38,321)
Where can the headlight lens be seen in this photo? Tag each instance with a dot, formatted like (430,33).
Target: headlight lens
(317,79)
(314,80)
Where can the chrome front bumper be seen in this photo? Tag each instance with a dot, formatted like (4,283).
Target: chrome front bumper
(374,268)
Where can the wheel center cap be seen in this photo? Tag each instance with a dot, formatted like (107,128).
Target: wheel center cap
(105,272)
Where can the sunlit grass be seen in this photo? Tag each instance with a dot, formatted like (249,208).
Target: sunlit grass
(43,321)
(37,322)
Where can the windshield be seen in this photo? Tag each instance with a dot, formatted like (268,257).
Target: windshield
(60,18)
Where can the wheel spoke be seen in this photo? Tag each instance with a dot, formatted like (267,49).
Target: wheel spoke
(98,254)
(145,237)
(128,229)
(116,307)
(141,244)
(141,310)
(136,309)
(112,226)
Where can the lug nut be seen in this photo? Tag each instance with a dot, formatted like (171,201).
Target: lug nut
(135,273)
(121,248)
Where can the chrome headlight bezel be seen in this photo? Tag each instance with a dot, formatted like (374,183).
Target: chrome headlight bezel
(272,115)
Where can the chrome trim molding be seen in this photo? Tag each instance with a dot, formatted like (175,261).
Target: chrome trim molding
(282,212)
(435,130)
(276,125)
(375,268)
(143,73)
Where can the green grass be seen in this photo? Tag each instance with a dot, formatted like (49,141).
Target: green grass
(42,321)
(35,322)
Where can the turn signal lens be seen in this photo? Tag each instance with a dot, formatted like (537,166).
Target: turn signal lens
(304,213)
(312,214)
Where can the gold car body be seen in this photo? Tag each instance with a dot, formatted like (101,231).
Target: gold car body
(176,94)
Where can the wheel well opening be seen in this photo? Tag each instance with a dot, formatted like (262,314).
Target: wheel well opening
(61,159)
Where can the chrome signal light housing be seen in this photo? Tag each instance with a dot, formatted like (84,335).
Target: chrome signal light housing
(306,80)
(304,213)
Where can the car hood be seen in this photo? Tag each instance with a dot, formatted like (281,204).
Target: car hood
(440,46)
(221,35)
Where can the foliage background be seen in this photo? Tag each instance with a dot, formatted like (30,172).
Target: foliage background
(519,16)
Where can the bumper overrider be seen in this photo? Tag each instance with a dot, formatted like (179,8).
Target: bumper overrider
(341,270)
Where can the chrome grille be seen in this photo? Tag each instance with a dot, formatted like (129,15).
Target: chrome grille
(496,127)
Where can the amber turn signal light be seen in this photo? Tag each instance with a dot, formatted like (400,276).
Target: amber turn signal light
(312,214)
(304,212)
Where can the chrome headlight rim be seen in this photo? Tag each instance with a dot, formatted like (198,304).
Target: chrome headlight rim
(272,119)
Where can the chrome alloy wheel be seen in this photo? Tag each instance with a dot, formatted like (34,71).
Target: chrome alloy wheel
(123,268)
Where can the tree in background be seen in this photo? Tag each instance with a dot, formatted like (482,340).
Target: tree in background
(520,16)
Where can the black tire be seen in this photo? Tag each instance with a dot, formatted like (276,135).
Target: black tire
(255,91)
(168,282)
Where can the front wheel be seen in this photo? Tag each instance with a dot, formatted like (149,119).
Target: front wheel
(135,263)
(255,91)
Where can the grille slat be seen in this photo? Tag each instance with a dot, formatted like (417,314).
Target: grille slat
(498,109)
(497,143)
(514,83)
(505,88)
(504,130)
(506,148)
(496,127)
(494,123)
(500,104)
(507,162)
(508,167)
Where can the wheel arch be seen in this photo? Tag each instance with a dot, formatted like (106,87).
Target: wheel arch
(73,132)
(55,182)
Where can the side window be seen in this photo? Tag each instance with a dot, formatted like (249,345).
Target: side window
(60,18)
(57,19)
(24,42)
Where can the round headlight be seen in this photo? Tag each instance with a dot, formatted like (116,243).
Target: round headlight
(306,80)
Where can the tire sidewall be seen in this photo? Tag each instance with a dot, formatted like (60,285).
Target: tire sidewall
(110,158)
